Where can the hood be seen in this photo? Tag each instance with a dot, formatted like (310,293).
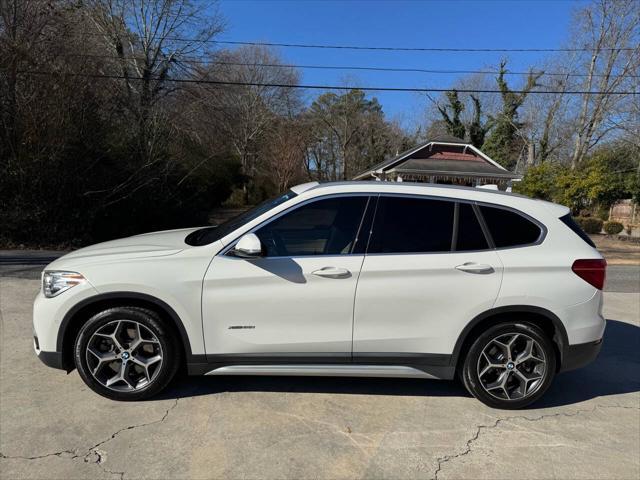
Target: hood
(155,244)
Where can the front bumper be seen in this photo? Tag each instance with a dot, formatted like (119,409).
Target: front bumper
(48,314)
(577,356)
(51,359)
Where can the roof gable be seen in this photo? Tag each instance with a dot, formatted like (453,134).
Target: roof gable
(440,151)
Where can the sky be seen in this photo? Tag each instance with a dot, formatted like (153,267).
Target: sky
(401,23)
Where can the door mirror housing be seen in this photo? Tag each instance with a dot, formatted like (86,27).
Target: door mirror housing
(248,246)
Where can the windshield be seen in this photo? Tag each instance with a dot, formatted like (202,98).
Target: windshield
(207,235)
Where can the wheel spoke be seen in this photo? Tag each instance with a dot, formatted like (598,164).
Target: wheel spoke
(510,345)
(103,357)
(486,370)
(138,340)
(490,366)
(499,383)
(94,353)
(126,370)
(528,377)
(114,336)
(146,362)
(115,379)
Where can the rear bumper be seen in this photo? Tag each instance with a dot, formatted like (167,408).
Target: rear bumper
(577,356)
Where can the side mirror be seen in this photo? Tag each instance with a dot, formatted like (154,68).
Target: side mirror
(248,246)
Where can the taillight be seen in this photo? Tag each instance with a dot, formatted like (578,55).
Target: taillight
(591,271)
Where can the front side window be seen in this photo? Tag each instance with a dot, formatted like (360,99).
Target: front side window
(508,228)
(323,227)
(412,225)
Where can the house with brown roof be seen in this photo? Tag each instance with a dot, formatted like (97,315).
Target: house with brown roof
(445,159)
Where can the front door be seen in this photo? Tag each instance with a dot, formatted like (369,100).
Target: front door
(297,300)
(428,272)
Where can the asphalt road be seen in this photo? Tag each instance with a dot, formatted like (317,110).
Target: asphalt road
(52,426)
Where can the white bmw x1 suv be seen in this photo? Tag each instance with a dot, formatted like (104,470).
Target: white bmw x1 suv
(346,279)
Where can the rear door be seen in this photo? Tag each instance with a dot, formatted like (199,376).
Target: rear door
(428,271)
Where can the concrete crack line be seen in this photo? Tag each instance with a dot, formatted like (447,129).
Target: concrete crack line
(131,427)
(38,457)
(479,429)
(93,451)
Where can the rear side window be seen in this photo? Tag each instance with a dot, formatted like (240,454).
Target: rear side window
(571,223)
(470,234)
(412,225)
(508,228)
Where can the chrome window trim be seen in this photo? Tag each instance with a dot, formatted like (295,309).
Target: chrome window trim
(475,203)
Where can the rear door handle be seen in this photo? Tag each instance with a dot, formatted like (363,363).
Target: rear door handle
(471,267)
(332,272)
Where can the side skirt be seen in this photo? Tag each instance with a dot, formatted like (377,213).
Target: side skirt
(323,370)
(407,365)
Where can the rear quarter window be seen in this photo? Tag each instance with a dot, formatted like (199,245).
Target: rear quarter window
(509,228)
(571,223)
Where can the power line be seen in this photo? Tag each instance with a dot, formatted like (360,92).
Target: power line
(203,60)
(324,87)
(396,49)
(383,48)
(408,70)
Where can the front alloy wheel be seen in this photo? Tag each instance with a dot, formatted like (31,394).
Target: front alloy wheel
(126,353)
(510,366)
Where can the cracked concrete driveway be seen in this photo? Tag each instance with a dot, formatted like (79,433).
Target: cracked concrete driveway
(52,426)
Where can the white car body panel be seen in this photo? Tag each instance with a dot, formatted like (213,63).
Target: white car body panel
(272,305)
(176,280)
(402,303)
(426,302)
(48,313)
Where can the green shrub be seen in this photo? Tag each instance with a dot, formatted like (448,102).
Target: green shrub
(602,212)
(613,228)
(590,224)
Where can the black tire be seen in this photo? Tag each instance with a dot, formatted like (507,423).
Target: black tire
(153,326)
(533,390)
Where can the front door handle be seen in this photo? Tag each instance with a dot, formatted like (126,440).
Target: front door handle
(332,272)
(471,267)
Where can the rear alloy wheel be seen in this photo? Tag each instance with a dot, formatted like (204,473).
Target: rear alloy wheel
(126,353)
(510,366)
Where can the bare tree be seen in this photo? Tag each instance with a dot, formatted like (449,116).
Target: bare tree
(245,109)
(23,27)
(546,127)
(611,31)
(150,40)
(285,153)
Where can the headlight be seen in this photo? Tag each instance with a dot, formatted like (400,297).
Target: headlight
(54,283)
